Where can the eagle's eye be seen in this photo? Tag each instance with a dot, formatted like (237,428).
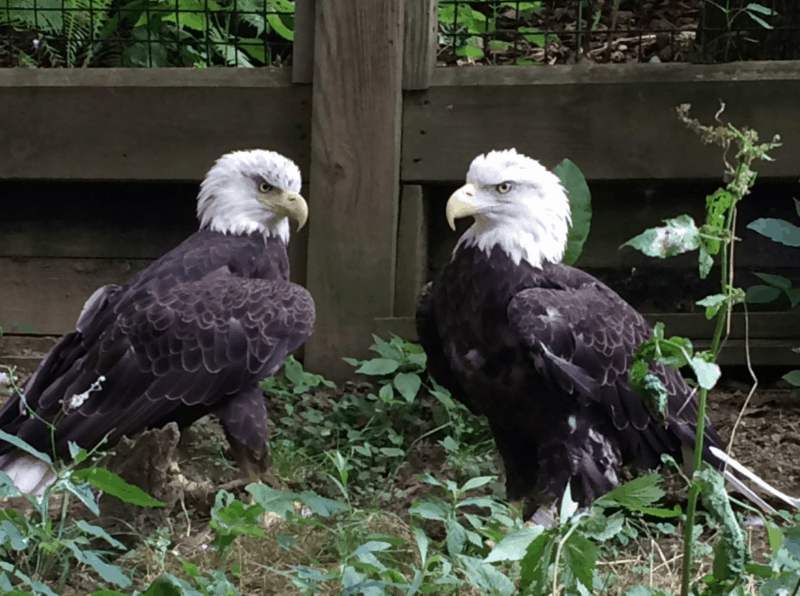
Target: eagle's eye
(264,187)
(504,187)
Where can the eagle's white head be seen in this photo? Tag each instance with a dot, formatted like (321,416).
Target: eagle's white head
(517,204)
(252,191)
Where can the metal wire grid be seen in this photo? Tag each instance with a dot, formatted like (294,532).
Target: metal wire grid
(602,31)
(145,33)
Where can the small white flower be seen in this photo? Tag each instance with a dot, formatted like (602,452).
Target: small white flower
(305,512)
(4,379)
(77,400)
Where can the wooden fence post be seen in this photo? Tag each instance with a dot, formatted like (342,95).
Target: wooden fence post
(303,45)
(420,43)
(412,250)
(355,170)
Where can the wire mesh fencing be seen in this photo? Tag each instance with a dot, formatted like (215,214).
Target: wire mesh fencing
(145,33)
(615,31)
(247,33)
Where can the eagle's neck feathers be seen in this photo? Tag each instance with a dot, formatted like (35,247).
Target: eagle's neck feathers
(537,238)
(227,213)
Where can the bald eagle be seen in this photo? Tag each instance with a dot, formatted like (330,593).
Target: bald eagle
(542,350)
(190,335)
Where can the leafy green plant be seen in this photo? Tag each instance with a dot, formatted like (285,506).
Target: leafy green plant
(32,548)
(149,33)
(375,428)
(462,26)
(71,29)
(713,238)
(786,233)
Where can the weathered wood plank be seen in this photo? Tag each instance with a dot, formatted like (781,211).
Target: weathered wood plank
(412,250)
(773,335)
(695,326)
(145,124)
(48,294)
(616,122)
(420,43)
(354,176)
(303,45)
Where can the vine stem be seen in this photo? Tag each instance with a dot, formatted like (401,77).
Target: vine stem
(723,315)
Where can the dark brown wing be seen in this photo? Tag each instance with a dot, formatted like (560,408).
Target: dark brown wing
(174,355)
(583,339)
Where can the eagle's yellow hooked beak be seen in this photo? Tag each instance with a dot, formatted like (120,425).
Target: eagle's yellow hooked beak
(461,204)
(286,203)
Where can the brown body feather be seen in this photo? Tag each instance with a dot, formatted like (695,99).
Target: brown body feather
(544,353)
(192,334)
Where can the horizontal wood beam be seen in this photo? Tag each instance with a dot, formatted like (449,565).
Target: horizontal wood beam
(145,124)
(772,335)
(48,294)
(614,121)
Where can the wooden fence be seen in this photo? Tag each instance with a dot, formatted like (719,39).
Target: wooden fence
(372,123)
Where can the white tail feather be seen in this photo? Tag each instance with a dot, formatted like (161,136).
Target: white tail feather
(29,474)
(731,465)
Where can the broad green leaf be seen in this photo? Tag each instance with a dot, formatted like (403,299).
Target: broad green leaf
(275,501)
(478,482)
(794,296)
(774,536)
(321,505)
(777,230)
(580,201)
(568,506)
(386,393)
(9,533)
(293,370)
(761,294)
(429,510)
(423,542)
(759,8)
(285,541)
(408,385)
(111,573)
(486,577)
(757,18)
(169,585)
(580,557)
(704,261)
(387,349)
(470,52)
(640,492)
(378,366)
(111,484)
(792,377)
(7,488)
(778,281)
(371,547)
(652,392)
(280,27)
(84,493)
(680,235)
(17,442)
(513,546)
(536,562)
(707,373)
(99,533)
(713,304)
